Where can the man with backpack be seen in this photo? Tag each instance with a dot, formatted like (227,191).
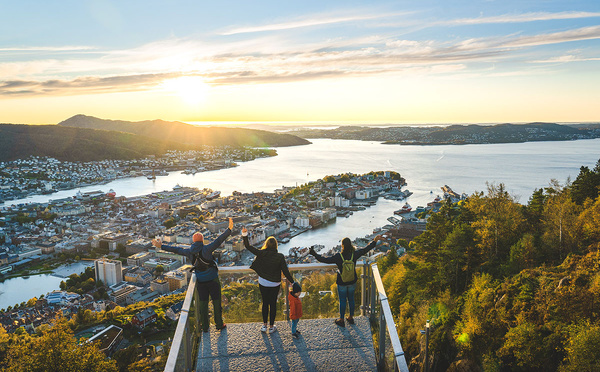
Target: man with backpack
(346,276)
(206,271)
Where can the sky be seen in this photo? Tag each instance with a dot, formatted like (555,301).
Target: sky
(396,62)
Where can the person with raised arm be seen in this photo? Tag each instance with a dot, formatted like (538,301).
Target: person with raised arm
(269,265)
(346,276)
(206,271)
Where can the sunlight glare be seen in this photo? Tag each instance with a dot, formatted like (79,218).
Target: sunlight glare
(191,89)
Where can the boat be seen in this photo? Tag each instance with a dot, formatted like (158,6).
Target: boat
(111,193)
(394,220)
(213,195)
(405,209)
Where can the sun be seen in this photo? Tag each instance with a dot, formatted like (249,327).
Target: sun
(191,89)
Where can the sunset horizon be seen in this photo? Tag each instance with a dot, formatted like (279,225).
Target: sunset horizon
(383,62)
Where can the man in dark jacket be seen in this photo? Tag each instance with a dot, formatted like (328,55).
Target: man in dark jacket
(206,271)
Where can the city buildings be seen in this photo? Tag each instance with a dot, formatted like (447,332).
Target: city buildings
(108,271)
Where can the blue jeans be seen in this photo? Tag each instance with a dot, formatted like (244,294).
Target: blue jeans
(294,324)
(346,292)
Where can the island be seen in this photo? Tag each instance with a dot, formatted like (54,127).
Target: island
(457,134)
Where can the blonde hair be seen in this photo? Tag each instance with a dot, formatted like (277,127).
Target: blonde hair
(270,243)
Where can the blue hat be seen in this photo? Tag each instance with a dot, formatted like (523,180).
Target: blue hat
(296,287)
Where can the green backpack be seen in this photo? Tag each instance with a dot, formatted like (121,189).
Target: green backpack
(347,273)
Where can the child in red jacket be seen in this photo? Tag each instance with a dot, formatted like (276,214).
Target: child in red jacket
(295,308)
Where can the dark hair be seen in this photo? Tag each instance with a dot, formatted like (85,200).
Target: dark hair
(296,287)
(270,243)
(347,246)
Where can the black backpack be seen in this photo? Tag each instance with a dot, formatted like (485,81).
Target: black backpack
(200,264)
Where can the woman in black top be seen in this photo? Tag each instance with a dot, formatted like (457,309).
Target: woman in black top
(268,264)
(346,288)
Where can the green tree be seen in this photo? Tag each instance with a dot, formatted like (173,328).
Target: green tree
(524,349)
(524,254)
(586,185)
(390,259)
(56,350)
(498,223)
(561,227)
(126,357)
(582,349)
(169,223)
(589,220)
(159,269)
(345,178)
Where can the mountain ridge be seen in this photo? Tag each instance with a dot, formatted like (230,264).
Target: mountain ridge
(186,133)
(18,141)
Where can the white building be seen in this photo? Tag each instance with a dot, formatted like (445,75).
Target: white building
(110,272)
(61,297)
(364,194)
(342,202)
(302,222)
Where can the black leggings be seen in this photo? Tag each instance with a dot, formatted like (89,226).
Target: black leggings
(269,302)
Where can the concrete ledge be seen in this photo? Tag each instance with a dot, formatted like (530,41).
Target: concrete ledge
(322,346)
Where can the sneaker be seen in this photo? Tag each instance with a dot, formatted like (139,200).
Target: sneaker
(273,329)
(263,329)
(222,327)
(340,322)
(297,332)
(350,320)
(296,335)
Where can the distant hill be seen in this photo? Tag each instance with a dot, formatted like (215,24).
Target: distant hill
(186,133)
(458,134)
(77,144)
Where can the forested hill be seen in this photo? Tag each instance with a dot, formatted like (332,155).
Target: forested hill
(190,134)
(77,144)
(507,287)
(458,134)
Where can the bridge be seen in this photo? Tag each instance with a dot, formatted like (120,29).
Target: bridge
(322,345)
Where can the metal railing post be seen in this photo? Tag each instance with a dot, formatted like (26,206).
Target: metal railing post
(427,346)
(286,311)
(381,341)
(363,289)
(197,312)
(387,322)
(373,297)
(187,352)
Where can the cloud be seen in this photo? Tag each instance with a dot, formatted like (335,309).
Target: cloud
(565,59)
(83,85)
(584,33)
(520,18)
(514,42)
(267,59)
(47,49)
(308,22)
